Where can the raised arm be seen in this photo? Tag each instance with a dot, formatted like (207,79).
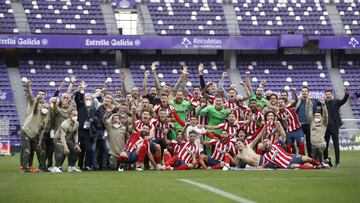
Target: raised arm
(345,98)
(247,90)
(201,75)
(222,82)
(293,104)
(123,78)
(146,77)
(156,78)
(325,114)
(204,91)
(182,77)
(57,92)
(248,82)
(29,92)
(72,81)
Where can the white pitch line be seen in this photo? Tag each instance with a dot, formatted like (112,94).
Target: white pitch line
(217,191)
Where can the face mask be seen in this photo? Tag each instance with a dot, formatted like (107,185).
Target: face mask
(74,118)
(116,125)
(88,103)
(317,120)
(44,111)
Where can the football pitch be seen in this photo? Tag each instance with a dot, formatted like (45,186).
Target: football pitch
(333,185)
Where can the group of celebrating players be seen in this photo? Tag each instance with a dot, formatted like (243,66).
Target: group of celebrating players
(171,128)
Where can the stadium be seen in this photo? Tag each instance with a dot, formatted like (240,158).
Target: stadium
(179,100)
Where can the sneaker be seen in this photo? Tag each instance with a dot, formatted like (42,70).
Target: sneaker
(325,165)
(329,161)
(121,168)
(73,169)
(50,168)
(226,167)
(56,170)
(138,168)
(158,166)
(337,165)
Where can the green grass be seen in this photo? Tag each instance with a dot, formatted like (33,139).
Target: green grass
(334,185)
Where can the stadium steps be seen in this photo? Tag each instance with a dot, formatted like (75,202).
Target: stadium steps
(109,19)
(20,18)
(230,18)
(147,23)
(346,111)
(18,92)
(335,19)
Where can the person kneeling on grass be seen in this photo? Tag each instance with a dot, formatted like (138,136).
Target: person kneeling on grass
(277,157)
(318,125)
(66,143)
(223,149)
(136,148)
(187,157)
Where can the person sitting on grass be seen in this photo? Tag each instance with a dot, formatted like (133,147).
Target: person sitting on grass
(136,148)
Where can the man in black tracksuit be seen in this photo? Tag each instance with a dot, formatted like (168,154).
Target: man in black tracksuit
(334,123)
(86,110)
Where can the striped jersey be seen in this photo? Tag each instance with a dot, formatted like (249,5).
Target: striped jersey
(159,127)
(256,119)
(134,142)
(186,152)
(221,148)
(289,118)
(278,156)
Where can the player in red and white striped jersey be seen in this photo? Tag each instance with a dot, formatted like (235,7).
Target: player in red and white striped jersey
(187,156)
(160,128)
(164,105)
(145,119)
(274,132)
(173,146)
(276,156)
(290,120)
(136,148)
(255,120)
(224,151)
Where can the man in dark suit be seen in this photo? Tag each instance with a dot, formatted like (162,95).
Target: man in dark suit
(334,123)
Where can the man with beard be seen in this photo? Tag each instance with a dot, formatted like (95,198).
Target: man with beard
(118,99)
(182,107)
(152,96)
(145,106)
(136,148)
(258,95)
(301,111)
